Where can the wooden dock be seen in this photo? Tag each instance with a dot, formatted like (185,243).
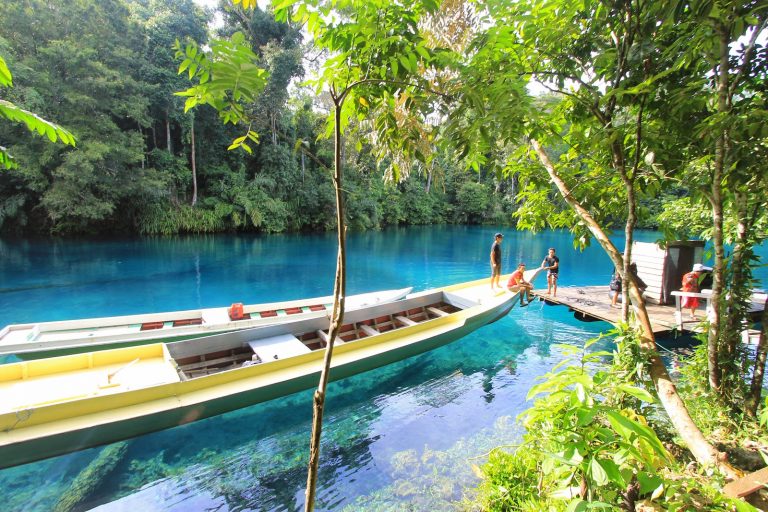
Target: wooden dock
(592,302)
(662,270)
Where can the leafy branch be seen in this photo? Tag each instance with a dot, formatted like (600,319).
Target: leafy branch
(33,122)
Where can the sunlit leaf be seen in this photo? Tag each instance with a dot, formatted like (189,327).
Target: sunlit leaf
(35,123)
(6,78)
(597,473)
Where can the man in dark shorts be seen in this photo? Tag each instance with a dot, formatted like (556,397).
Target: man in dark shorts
(496,262)
(552,264)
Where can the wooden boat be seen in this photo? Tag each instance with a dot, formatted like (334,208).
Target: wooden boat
(63,404)
(45,339)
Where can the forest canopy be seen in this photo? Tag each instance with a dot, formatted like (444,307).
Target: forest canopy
(107,71)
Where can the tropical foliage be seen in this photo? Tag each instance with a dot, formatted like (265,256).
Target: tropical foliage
(653,114)
(108,72)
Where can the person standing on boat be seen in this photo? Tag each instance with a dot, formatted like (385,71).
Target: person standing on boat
(552,265)
(517,282)
(691,284)
(496,261)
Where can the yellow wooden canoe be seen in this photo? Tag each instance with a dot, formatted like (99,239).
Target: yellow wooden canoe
(62,404)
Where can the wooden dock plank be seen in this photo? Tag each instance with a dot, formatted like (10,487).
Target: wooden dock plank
(593,301)
(747,485)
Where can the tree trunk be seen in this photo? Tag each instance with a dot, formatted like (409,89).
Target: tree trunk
(736,308)
(168,133)
(629,228)
(194,165)
(756,389)
(273,125)
(716,199)
(337,315)
(704,452)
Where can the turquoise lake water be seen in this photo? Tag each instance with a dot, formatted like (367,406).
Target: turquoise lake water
(403,437)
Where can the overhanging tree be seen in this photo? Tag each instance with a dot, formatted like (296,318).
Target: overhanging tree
(376,56)
(599,55)
(727,69)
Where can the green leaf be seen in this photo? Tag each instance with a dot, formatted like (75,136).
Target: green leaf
(190,104)
(423,52)
(613,472)
(405,62)
(6,160)
(6,78)
(585,416)
(577,505)
(638,393)
(35,123)
(597,473)
(627,428)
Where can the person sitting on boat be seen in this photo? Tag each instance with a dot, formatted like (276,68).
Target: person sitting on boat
(691,282)
(517,282)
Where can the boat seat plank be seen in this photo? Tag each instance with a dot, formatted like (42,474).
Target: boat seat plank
(438,312)
(278,347)
(148,326)
(211,362)
(405,321)
(323,335)
(367,329)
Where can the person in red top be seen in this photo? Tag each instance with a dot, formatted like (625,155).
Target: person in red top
(691,284)
(517,282)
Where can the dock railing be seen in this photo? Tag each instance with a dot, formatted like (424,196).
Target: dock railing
(706,294)
(758,300)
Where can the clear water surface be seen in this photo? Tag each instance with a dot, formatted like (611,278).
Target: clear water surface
(402,437)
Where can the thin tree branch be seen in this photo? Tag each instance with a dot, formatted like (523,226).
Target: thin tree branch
(747,57)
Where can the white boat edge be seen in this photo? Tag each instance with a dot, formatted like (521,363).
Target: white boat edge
(28,338)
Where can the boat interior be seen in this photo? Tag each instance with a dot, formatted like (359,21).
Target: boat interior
(55,380)
(226,352)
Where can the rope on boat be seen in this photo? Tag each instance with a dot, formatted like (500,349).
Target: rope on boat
(26,413)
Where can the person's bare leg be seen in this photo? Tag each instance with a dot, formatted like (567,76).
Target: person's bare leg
(554,286)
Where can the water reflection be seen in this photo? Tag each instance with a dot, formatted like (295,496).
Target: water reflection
(401,436)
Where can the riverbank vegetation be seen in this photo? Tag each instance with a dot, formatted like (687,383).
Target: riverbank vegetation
(107,72)
(654,114)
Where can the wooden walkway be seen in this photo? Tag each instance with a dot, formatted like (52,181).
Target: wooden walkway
(593,302)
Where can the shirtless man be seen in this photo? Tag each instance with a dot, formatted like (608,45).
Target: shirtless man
(552,265)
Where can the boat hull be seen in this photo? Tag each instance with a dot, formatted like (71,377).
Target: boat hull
(76,425)
(50,339)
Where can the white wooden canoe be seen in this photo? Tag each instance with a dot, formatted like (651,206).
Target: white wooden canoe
(62,404)
(45,339)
